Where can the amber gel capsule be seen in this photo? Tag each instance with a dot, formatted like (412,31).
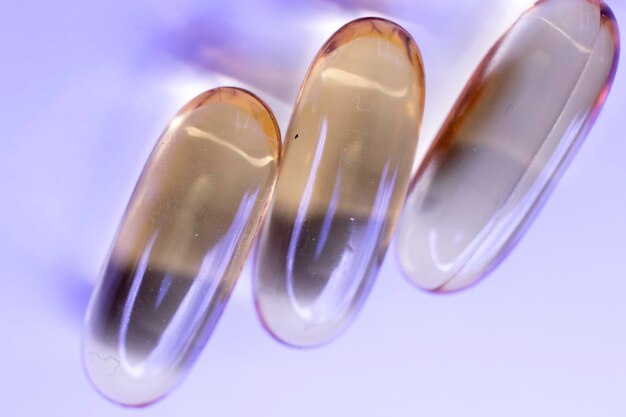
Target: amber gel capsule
(519,121)
(343,177)
(181,245)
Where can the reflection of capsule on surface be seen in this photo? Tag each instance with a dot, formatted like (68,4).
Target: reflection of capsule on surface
(184,238)
(343,177)
(519,121)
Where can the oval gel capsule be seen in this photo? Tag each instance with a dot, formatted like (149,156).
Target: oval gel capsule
(519,121)
(181,245)
(343,177)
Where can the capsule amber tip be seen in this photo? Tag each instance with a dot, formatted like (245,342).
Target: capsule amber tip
(181,244)
(508,139)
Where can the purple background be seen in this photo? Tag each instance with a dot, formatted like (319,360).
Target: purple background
(87,86)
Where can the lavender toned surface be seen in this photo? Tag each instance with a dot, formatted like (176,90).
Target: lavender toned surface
(87,87)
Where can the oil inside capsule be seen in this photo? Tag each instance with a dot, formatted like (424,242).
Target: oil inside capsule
(519,121)
(343,177)
(181,245)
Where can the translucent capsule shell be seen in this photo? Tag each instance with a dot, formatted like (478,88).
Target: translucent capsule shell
(184,238)
(519,121)
(343,178)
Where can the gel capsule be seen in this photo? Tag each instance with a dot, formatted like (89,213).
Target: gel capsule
(343,177)
(519,121)
(181,245)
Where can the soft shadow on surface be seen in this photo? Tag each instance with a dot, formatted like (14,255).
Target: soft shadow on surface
(71,291)
(267,44)
(420,12)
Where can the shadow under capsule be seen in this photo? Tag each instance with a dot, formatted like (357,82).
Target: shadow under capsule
(266,44)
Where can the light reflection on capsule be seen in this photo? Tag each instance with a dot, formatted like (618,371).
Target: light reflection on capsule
(519,121)
(184,238)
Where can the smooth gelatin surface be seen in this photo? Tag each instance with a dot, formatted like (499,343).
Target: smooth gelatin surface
(518,122)
(181,245)
(343,177)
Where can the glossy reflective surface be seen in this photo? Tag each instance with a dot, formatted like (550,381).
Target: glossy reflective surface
(344,175)
(181,245)
(519,120)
